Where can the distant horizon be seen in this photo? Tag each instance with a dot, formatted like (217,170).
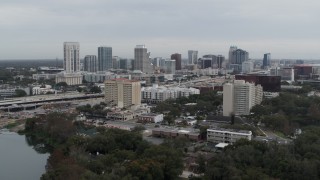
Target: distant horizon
(45,59)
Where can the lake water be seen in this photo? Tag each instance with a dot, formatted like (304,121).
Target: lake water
(18,160)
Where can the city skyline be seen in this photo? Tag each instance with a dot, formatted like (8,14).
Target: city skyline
(37,28)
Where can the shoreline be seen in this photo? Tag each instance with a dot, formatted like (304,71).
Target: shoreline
(13,125)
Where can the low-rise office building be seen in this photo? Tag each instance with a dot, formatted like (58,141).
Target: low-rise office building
(151,118)
(227,135)
(121,115)
(174,133)
(42,90)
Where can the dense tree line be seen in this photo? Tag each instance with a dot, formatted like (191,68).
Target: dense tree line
(108,154)
(287,112)
(97,109)
(258,160)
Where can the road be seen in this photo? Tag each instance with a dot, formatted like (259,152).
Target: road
(269,135)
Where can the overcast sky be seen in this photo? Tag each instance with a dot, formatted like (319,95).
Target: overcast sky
(37,28)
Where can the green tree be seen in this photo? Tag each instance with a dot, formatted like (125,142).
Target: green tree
(62,84)
(79,89)
(169,119)
(95,89)
(20,93)
(170,159)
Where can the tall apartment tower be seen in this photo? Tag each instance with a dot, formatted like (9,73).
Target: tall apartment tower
(71,64)
(266,60)
(228,99)
(142,59)
(71,61)
(177,57)
(105,58)
(239,97)
(123,93)
(90,63)
(192,57)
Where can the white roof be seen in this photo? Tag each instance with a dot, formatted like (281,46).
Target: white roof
(221,145)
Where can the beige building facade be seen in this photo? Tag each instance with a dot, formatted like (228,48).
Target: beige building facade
(123,93)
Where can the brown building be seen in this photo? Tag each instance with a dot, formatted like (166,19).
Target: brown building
(204,89)
(302,71)
(177,57)
(268,83)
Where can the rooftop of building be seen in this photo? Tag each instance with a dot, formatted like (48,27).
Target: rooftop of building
(306,65)
(179,130)
(255,74)
(231,130)
(150,115)
(121,80)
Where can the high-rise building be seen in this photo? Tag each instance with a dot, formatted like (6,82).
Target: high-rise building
(90,63)
(193,57)
(170,66)
(115,62)
(123,93)
(71,62)
(239,97)
(247,67)
(266,60)
(205,62)
(232,48)
(237,58)
(123,64)
(220,61)
(142,59)
(228,101)
(205,59)
(105,58)
(177,57)
(159,62)
(216,61)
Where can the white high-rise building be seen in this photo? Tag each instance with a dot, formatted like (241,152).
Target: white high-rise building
(192,57)
(71,62)
(228,99)
(239,97)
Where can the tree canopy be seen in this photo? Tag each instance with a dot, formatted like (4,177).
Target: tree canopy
(109,154)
